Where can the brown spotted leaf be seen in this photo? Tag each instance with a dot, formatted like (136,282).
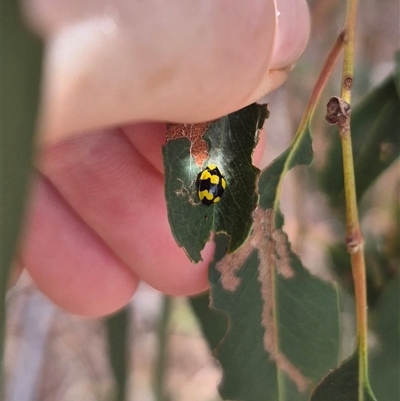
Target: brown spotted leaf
(283,330)
(229,143)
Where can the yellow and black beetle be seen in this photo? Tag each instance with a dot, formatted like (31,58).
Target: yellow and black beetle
(211,185)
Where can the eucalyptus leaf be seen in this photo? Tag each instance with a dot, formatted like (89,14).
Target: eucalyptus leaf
(231,141)
(213,323)
(342,384)
(283,333)
(118,327)
(20,58)
(384,356)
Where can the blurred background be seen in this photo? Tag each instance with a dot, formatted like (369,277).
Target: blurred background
(51,355)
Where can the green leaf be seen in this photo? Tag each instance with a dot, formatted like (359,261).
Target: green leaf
(118,326)
(384,356)
(380,148)
(20,71)
(283,333)
(213,323)
(299,153)
(375,125)
(231,141)
(342,384)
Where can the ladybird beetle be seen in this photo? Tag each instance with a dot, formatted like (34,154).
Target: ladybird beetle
(211,185)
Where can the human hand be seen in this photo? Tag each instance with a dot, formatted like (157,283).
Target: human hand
(97,221)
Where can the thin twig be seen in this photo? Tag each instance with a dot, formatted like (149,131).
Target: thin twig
(354,238)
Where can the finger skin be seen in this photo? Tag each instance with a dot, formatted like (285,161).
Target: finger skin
(293,30)
(117,62)
(182,61)
(67,261)
(120,196)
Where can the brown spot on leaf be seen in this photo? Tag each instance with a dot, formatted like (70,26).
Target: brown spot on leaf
(282,249)
(274,256)
(230,264)
(274,240)
(194,132)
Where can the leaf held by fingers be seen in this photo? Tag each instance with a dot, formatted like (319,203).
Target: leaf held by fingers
(228,143)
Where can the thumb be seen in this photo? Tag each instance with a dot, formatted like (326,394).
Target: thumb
(181,61)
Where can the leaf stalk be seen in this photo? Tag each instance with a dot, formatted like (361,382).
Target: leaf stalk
(319,86)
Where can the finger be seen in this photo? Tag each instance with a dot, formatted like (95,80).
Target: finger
(120,195)
(293,29)
(292,32)
(148,139)
(167,61)
(68,262)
